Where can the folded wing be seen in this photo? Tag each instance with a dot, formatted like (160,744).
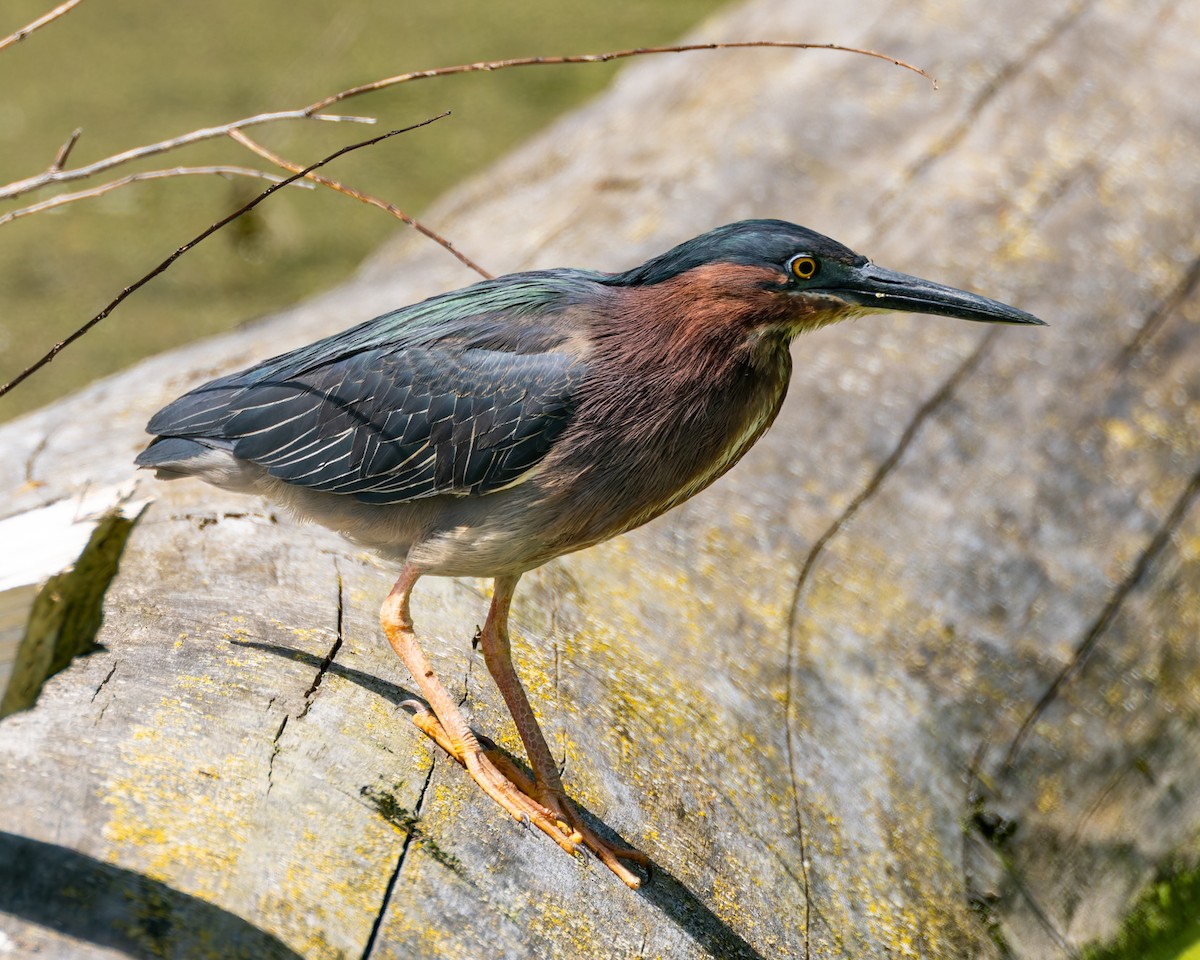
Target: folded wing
(386,425)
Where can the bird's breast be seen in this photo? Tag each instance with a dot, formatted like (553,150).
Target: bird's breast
(642,446)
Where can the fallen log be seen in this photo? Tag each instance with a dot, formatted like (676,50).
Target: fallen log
(918,678)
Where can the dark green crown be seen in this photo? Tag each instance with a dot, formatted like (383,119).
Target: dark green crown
(752,243)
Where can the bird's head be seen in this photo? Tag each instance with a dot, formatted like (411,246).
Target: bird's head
(769,275)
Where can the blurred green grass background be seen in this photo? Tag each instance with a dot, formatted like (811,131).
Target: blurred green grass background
(130,72)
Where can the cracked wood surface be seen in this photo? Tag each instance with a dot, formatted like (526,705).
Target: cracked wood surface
(919,677)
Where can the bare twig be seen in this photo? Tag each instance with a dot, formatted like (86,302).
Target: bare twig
(64,151)
(39,22)
(490,65)
(312,111)
(64,198)
(55,174)
(52,175)
(395,211)
(245,208)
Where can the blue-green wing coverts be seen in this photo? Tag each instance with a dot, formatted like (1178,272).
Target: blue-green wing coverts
(438,398)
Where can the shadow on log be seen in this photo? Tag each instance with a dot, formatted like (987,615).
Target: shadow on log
(97,903)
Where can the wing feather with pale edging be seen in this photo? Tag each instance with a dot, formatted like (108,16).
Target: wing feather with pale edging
(437,399)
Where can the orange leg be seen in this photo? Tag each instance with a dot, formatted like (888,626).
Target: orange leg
(459,740)
(547,787)
(543,802)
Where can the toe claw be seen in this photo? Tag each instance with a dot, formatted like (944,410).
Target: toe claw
(569,831)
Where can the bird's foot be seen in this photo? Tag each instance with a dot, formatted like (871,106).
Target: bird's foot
(500,779)
(608,854)
(545,807)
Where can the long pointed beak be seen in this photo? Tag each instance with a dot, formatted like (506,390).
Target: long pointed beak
(879,289)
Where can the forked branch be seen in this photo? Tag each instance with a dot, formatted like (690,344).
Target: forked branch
(65,198)
(204,235)
(38,23)
(55,174)
(391,208)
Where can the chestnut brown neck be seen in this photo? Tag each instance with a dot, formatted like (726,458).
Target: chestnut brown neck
(688,373)
(701,322)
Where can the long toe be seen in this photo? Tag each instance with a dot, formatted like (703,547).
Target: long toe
(552,812)
(518,803)
(609,854)
(428,724)
(501,779)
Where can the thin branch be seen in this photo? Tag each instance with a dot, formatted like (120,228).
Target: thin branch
(490,65)
(311,112)
(245,208)
(39,22)
(52,175)
(64,198)
(395,211)
(64,151)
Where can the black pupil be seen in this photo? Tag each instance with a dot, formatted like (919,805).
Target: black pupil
(805,268)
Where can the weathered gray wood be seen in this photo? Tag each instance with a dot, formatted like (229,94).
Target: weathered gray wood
(57,565)
(812,693)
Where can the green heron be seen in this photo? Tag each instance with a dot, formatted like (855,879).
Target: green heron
(485,431)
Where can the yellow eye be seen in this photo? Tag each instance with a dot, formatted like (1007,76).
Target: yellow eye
(804,268)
